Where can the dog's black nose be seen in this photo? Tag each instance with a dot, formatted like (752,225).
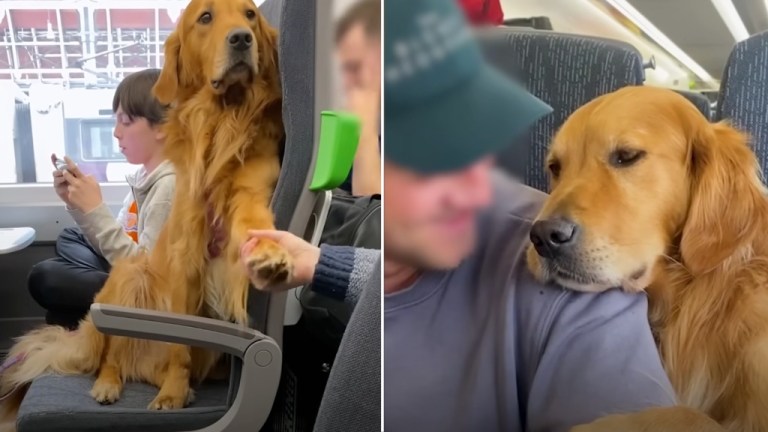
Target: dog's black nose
(240,40)
(553,237)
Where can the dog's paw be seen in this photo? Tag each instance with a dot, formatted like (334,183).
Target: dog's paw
(106,391)
(269,264)
(170,402)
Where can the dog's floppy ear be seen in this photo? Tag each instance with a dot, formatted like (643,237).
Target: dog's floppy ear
(167,86)
(727,201)
(266,35)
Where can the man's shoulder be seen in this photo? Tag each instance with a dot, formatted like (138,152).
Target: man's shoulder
(506,224)
(504,239)
(514,199)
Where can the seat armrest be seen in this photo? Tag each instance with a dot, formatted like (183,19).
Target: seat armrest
(261,356)
(177,328)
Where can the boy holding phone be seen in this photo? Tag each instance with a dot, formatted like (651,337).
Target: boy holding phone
(65,285)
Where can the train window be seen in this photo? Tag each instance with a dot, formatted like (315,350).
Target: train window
(60,62)
(97,142)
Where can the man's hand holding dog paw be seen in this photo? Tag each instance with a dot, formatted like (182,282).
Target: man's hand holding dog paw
(278,260)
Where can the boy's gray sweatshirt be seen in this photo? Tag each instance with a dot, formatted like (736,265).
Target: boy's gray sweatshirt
(153,194)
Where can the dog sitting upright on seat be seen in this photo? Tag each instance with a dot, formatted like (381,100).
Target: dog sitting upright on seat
(648,195)
(223,135)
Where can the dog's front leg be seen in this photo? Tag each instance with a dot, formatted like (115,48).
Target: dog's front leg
(174,389)
(173,379)
(173,375)
(249,207)
(109,384)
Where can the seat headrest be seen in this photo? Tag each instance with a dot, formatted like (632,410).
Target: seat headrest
(565,71)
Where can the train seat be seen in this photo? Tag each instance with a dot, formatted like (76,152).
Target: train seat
(61,403)
(564,70)
(743,98)
(700,101)
(352,395)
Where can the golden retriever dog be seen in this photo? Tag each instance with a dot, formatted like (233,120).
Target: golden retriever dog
(649,195)
(223,135)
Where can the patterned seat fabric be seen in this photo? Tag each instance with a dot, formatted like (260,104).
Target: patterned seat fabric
(566,71)
(744,92)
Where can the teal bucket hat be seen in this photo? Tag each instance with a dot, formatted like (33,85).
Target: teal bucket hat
(445,107)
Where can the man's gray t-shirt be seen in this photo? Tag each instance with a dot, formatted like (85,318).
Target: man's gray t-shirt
(486,348)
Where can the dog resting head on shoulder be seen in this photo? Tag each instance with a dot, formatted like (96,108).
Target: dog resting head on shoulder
(640,176)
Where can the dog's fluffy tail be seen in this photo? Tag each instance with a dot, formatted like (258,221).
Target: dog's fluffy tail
(50,349)
(53,349)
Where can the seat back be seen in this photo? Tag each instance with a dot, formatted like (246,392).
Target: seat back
(566,71)
(292,202)
(352,397)
(263,306)
(743,96)
(700,101)
(305,70)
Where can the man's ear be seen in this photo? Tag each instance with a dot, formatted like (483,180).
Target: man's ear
(166,88)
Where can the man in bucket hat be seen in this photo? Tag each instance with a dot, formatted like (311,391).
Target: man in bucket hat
(472,341)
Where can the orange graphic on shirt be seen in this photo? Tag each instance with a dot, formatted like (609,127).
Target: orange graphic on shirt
(132,222)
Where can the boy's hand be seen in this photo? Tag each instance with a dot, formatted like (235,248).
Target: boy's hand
(83,191)
(60,184)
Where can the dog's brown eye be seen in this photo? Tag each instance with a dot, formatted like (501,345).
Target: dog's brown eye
(205,18)
(554,168)
(623,158)
(250,14)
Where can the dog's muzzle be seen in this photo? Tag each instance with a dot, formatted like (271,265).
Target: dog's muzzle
(240,68)
(553,238)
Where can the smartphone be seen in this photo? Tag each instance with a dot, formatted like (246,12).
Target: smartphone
(60,164)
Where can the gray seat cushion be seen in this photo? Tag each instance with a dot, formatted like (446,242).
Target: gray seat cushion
(60,404)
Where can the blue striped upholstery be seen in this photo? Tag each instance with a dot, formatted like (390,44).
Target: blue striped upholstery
(566,71)
(744,92)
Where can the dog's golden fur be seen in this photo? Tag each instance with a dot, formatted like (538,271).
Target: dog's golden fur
(223,135)
(667,419)
(669,203)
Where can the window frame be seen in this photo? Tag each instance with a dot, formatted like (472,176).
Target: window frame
(36,205)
